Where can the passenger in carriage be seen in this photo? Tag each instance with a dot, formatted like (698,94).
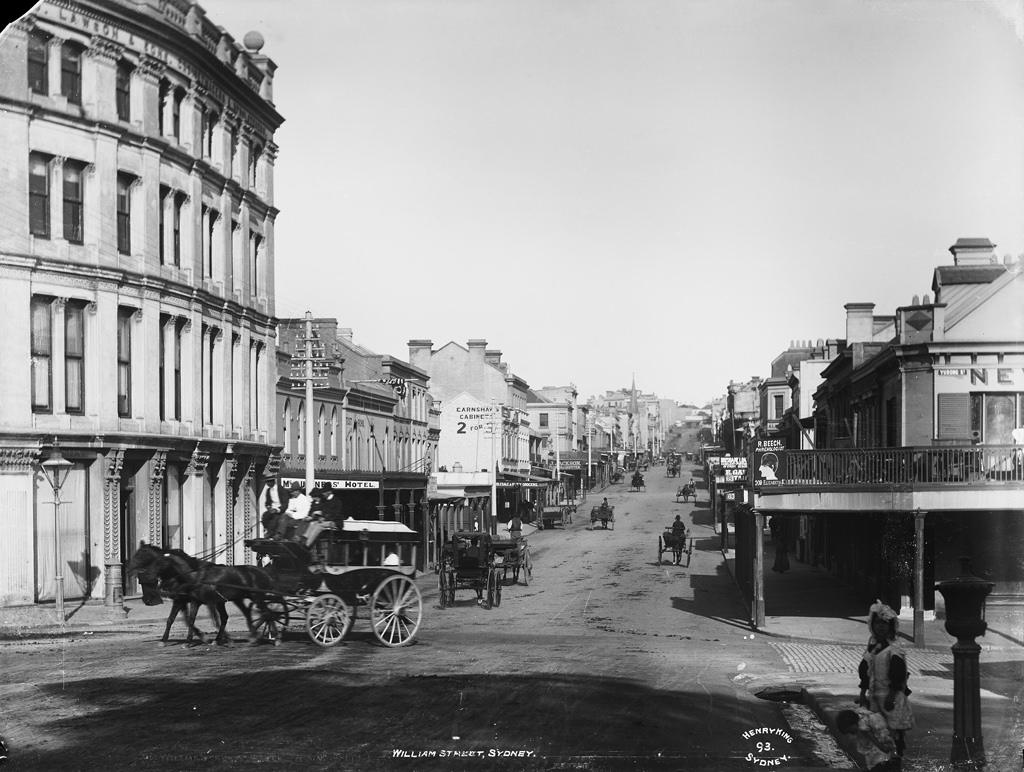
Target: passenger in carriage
(392,558)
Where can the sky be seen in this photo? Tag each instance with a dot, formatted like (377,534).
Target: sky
(665,190)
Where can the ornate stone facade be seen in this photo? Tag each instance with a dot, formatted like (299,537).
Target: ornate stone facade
(128,284)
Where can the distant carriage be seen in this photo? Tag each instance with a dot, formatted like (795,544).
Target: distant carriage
(603,514)
(679,541)
(686,492)
(672,466)
(513,555)
(637,482)
(555,516)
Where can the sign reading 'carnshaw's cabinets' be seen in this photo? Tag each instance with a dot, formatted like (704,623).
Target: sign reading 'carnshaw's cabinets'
(769,463)
(472,431)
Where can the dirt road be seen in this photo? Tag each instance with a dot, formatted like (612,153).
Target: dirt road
(606,661)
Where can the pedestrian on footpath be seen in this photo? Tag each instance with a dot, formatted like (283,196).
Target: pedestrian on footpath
(779,528)
(872,738)
(883,676)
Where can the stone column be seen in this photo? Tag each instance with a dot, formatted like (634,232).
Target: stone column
(113,594)
(156,497)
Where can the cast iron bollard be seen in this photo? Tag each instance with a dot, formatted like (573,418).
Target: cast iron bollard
(965,600)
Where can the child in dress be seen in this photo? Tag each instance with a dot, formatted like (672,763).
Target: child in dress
(872,736)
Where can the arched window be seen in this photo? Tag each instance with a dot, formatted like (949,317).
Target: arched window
(334,432)
(286,426)
(321,439)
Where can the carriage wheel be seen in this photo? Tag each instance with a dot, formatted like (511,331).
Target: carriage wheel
(661,550)
(442,588)
(527,568)
(489,589)
(328,620)
(497,587)
(271,621)
(451,587)
(396,610)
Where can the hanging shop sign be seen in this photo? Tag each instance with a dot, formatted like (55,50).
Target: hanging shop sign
(769,463)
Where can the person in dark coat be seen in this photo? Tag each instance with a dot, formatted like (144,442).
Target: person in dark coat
(779,528)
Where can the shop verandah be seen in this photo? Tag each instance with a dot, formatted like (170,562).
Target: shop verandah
(886,523)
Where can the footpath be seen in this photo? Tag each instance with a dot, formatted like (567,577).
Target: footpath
(819,628)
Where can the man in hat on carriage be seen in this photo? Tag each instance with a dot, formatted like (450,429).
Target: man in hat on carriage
(271,498)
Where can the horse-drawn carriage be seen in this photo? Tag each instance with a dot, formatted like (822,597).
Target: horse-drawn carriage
(352,563)
(637,482)
(677,540)
(552,516)
(513,555)
(468,562)
(687,491)
(672,466)
(616,477)
(604,514)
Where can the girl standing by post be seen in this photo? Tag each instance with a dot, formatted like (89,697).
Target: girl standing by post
(883,675)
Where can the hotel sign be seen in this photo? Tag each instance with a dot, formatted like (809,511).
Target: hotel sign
(336,484)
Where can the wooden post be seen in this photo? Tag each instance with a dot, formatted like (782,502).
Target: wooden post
(758,605)
(919,578)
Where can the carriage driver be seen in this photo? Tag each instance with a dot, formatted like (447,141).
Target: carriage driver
(678,527)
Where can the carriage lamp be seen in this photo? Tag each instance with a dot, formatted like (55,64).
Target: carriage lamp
(56,469)
(965,619)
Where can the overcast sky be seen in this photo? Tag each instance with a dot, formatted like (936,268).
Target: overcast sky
(672,188)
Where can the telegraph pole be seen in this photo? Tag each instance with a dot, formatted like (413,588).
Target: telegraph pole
(309,372)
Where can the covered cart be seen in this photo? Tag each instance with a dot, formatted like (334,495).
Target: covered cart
(349,564)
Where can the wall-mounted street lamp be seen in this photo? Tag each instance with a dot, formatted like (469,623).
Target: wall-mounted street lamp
(56,469)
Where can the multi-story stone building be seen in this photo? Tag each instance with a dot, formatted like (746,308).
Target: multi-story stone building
(136,278)
(375,424)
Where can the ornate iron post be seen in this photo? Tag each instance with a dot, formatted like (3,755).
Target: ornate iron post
(965,601)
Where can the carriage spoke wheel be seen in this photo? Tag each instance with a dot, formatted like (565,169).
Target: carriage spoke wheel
(442,587)
(328,620)
(527,567)
(661,549)
(396,610)
(271,621)
(496,599)
(451,587)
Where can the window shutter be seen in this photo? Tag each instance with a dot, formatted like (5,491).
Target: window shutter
(954,416)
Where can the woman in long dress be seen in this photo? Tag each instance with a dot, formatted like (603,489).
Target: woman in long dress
(883,674)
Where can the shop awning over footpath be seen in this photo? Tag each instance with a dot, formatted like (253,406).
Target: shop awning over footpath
(443,486)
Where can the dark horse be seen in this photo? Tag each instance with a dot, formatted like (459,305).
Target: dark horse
(190,582)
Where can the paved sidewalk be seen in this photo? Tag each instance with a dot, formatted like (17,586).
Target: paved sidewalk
(819,629)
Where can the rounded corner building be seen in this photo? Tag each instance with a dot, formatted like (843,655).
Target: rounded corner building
(137,332)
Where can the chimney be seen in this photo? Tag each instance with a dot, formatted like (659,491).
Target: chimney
(859,322)
(477,349)
(345,334)
(419,354)
(974,252)
(492,356)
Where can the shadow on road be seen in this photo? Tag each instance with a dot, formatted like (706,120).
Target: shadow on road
(329,718)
